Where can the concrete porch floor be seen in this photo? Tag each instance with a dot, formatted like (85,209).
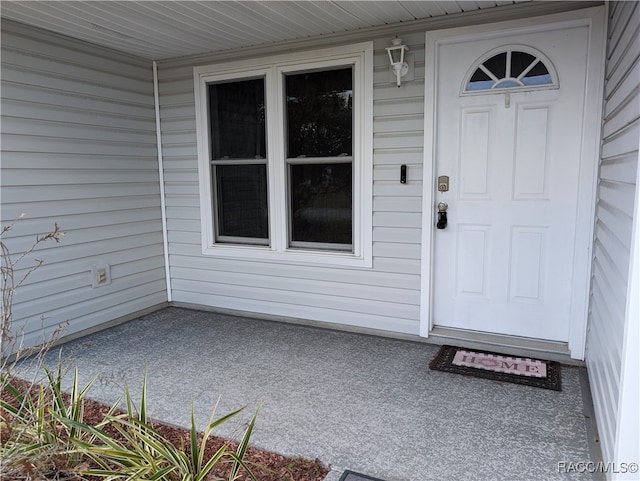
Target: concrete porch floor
(365,403)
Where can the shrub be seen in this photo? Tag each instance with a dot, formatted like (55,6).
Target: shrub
(35,439)
(139,451)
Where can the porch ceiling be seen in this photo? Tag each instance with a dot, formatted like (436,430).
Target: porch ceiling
(161,30)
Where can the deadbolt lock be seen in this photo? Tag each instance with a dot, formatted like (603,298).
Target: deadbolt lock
(443,183)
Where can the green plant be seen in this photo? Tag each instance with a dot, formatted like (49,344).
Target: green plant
(139,451)
(34,437)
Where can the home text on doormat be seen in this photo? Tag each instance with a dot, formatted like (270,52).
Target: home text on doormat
(495,362)
(498,367)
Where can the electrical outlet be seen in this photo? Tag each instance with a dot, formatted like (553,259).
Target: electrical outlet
(101,276)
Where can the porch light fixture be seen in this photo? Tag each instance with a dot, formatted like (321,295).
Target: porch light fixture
(396,57)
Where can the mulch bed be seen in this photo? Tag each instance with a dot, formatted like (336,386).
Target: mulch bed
(266,466)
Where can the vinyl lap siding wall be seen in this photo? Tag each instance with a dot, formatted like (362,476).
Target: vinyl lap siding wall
(78,148)
(614,218)
(384,297)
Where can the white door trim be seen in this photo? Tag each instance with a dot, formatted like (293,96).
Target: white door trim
(595,19)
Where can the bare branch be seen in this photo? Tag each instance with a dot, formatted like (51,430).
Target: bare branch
(11,341)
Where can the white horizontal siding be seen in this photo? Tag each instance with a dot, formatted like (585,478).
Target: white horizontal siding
(614,220)
(79,149)
(384,297)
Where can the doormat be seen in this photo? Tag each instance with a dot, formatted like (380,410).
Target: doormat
(498,367)
(353,476)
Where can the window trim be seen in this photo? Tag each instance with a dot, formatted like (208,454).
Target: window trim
(272,69)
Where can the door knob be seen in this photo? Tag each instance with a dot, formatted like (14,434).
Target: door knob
(442,215)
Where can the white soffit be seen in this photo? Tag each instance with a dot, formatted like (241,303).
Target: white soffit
(167,29)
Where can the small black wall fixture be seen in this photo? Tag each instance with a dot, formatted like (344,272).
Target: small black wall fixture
(403,174)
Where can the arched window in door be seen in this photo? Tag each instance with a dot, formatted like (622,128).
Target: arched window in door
(510,68)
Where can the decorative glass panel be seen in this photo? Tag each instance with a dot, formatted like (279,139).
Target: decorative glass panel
(520,61)
(538,75)
(497,65)
(507,83)
(238,120)
(480,76)
(512,69)
(321,203)
(480,80)
(319,113)
(242,200)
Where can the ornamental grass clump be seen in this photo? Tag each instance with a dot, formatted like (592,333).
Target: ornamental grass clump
(35,440)
(138,451)
(44,436)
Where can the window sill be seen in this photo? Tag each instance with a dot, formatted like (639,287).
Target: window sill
(290,256)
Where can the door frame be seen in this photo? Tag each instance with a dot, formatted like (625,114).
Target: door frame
(595,19)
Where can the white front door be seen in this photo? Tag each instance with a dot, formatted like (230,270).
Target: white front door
(504,263)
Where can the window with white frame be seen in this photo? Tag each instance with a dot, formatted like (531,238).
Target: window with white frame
(284,152)
(239,161)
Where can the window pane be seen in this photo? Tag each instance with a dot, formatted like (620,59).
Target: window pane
(508,83)
(321,203)
(242,200)
(480,76)
(497,65)
(539,69)
(537,80)
(538,75)
(520,61)
(320,113)
(480,85)
(237,112)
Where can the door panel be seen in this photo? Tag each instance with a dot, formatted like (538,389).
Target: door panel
(477,127)
(527,261)
(504,264)
(530,171)
(471,260)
